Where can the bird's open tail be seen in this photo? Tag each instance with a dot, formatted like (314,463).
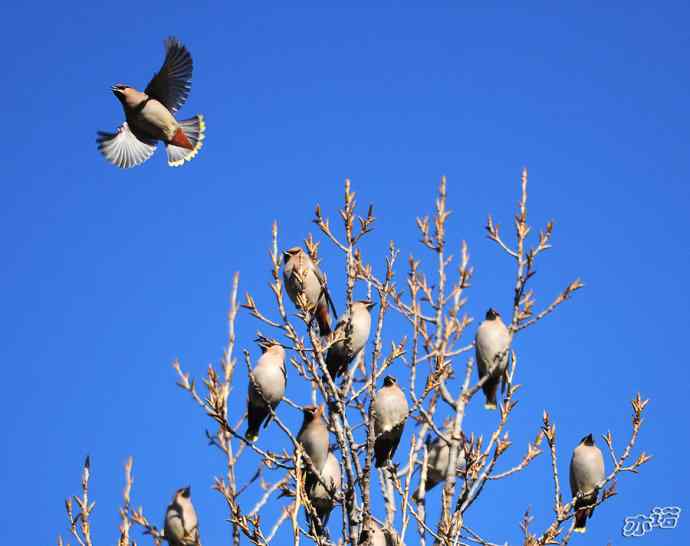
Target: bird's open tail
(187,141)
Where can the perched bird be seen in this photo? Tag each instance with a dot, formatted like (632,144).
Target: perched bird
(437,463)
(338,358)
(150,116)
(586,476)
(374,535)
(320,498)
(390,413)
(302,275)
(314,436)
(268,385)
(181,525)
(492,345)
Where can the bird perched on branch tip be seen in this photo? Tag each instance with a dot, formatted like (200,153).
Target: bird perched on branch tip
(321,499)
(313,436)
(437,463)
(586,477)
(181,525)
(266,388)
(302,276)
(338,357)
(492,345)
(390,413)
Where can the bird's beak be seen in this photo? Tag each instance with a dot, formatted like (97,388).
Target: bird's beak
(116,91)
(187,491)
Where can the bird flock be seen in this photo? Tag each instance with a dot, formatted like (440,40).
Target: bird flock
(306,286)
(149,118)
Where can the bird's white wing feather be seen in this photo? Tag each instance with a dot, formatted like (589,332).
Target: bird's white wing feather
(123,148)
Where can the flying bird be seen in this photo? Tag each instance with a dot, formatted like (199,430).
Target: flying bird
(181,525)
(586,477)
(267,385)
(150,116)
(492,344)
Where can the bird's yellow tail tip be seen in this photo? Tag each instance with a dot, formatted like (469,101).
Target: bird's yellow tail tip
(490,405)
(202,135)
(580,529)
(194,131)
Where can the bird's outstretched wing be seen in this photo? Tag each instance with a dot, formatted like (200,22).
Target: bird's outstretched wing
(173,82)
(123,148)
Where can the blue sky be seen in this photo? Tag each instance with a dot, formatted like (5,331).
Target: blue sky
(110,275)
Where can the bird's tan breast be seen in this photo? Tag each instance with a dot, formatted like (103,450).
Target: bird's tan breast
(391,410)
(154,119)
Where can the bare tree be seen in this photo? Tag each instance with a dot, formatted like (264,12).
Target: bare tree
(437,348)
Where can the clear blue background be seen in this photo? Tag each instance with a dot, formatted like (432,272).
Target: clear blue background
(110,275)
